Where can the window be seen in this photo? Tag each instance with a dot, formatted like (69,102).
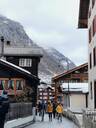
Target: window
(1,85)
(94,56)
(19,85)
(89,35)
(94,25)
(25,62)
(93,2)
(11,84)
(89,13)
(90,58)
(91,94)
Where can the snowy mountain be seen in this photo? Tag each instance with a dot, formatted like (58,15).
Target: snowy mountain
(14,32)
(53,61)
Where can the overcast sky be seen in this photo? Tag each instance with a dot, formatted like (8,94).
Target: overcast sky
(50,23)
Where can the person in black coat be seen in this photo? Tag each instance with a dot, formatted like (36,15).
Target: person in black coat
(39,108)
(54,109)
(4,106)
(42,110)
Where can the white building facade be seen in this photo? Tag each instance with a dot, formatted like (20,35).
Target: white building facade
(92,53)
(87,19)
(78,95)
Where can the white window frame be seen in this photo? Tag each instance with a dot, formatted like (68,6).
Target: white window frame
(25,62)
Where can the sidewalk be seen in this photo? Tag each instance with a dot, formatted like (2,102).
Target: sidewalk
(79,118)
(19,123)
(24,122)
(75,116)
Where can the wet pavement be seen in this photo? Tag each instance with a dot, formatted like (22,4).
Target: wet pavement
(54,124)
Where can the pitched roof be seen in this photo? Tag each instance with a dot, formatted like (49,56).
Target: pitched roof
(69,71)
(23,51)
(18,69)
(83,14)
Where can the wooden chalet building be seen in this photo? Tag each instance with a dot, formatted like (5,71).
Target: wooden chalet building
(78,74)
(15,80)
(45,93)
(27,58)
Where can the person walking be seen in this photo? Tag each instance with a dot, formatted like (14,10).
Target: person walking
(50,110)
(54,109)
(42,110)
(4,106)
(59,110)
(39,108)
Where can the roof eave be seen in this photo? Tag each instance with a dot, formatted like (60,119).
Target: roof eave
(83,23)
(83,14)
(69,71)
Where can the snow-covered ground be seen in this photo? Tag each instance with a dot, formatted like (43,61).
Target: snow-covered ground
(54,124)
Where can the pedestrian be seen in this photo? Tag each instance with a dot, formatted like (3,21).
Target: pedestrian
(4,106)
(42,110)
(54,109)
(59,110)
(50,110)
(39,108)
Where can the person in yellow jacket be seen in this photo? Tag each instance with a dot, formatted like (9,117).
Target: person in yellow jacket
(59,110)
(50,110)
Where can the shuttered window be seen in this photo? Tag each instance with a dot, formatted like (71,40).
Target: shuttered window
(94,26)
(94,56)
(90,35)
(89,14)
(91,94)
(90,59)
(93,2)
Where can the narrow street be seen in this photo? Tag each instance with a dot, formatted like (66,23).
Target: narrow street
(54,124)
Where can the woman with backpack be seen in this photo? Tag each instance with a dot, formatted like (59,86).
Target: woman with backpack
(59,110)
(50,110)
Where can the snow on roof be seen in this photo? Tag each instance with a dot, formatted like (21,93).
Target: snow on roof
(24,51)
(45,86)
(83,87)
(13,65)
